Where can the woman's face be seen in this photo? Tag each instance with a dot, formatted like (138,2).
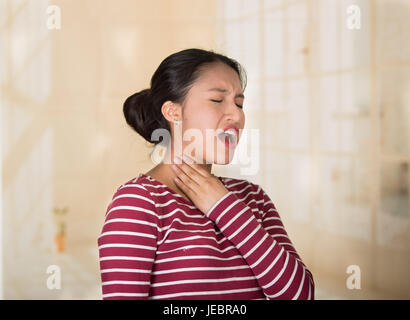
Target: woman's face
(213,103)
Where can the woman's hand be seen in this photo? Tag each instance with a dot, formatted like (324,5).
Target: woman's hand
(203,188)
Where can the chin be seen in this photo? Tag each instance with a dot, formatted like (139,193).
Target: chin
(222,162)
(223,159)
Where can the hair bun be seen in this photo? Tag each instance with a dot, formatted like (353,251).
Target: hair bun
(138,113)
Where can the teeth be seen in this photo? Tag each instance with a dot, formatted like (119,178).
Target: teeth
(230,132)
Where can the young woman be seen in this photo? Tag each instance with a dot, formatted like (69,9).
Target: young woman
(178,231)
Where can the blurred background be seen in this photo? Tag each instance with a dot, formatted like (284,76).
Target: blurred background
(331,103)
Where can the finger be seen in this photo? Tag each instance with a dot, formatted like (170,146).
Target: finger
(185,189)
(190,183)
(192,173)
(191,162)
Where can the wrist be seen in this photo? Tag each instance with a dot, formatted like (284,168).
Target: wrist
(215,209)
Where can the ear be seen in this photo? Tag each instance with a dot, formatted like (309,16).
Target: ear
(171,111)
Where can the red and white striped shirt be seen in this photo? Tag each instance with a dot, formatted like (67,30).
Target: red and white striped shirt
(155,244)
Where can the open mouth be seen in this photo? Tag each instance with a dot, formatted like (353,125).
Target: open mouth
(229,138)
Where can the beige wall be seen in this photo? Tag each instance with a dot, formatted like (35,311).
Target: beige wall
(330,105)
(65,140)
(333,107)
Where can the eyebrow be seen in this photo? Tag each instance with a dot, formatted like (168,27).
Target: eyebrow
(239,95)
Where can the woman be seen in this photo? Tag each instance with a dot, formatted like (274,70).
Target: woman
(178,231)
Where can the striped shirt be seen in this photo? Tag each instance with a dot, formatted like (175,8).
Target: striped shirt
(155,244)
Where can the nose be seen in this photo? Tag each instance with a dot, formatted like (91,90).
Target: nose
(234,113)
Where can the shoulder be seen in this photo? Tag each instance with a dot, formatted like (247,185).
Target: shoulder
(251,193)
(133,192)
(243,187)
(131,209)
(142,184)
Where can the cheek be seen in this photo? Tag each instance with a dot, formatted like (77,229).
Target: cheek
(202,118)
(199,119)
(242,119)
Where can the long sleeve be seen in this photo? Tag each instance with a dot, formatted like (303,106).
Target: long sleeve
(265,246)
(127,244)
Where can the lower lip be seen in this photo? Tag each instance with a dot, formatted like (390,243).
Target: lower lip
(227,142)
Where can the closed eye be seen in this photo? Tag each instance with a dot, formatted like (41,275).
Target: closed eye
(219,101)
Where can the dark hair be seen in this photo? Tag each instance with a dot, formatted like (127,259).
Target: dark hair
(171,81)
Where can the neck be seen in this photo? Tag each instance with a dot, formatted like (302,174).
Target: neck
(169,159)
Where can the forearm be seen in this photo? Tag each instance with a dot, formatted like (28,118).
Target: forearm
(279,273)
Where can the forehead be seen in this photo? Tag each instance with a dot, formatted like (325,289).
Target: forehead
(218,75)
